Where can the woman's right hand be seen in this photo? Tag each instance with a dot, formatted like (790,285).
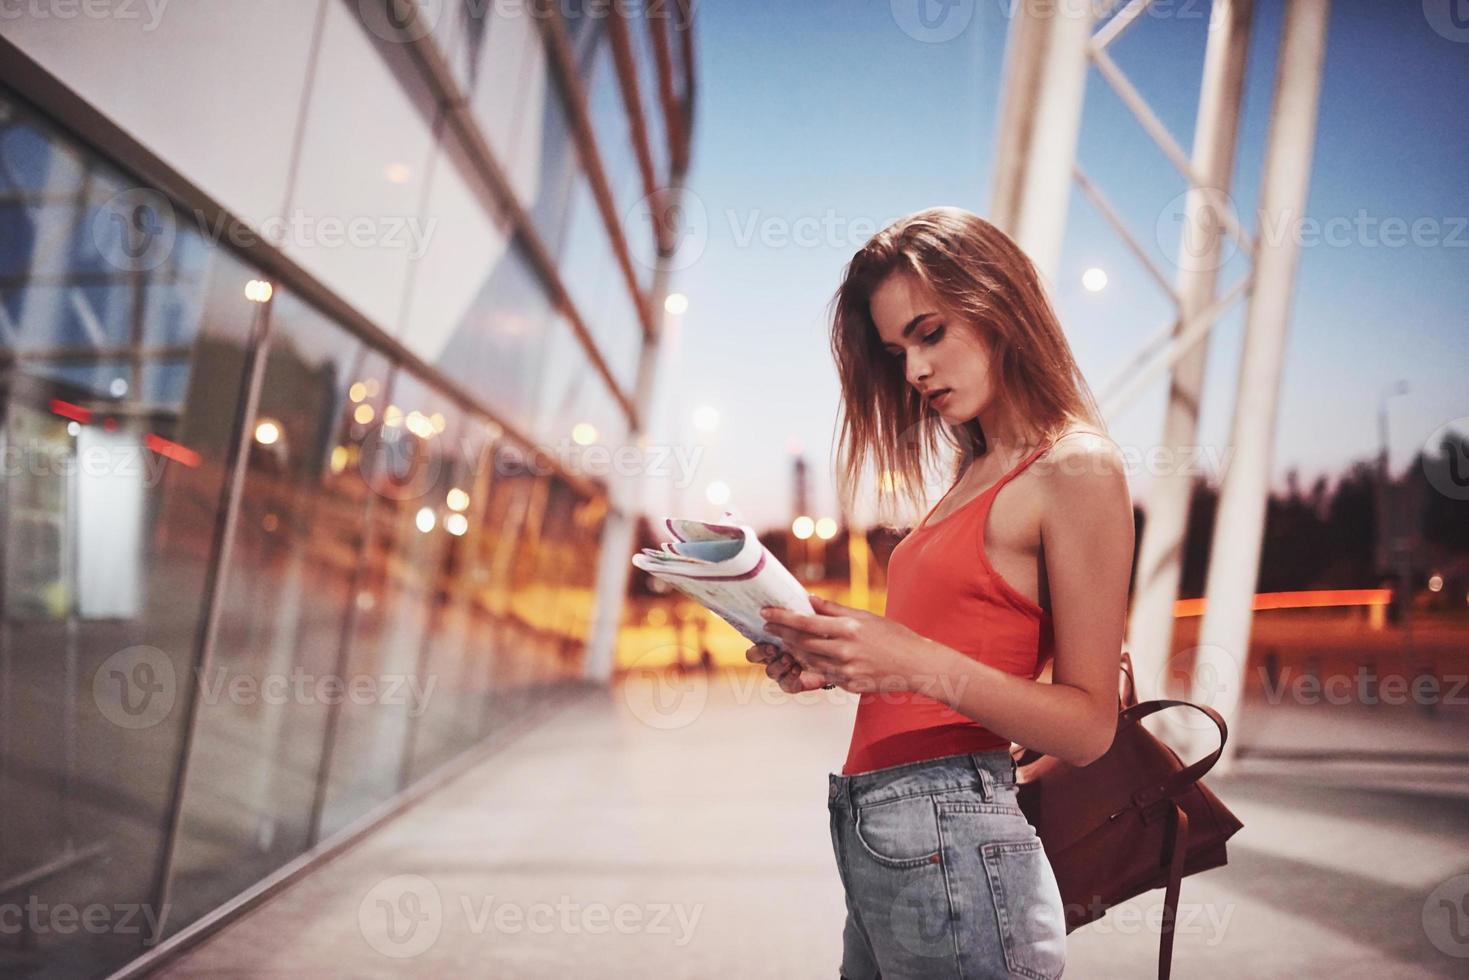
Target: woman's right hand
(784,669)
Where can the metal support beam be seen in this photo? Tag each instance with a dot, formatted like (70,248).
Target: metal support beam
(1165,349)
(1110,215)
(614,565)
(1160,552)
(1223,653)
(1040,121)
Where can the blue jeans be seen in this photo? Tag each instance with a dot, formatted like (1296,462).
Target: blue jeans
(944,876)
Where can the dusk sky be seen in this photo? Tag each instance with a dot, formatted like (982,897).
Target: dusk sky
(830,112)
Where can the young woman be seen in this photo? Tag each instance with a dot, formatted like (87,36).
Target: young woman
(943,334)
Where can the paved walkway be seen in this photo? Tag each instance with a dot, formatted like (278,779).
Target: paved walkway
(680,830)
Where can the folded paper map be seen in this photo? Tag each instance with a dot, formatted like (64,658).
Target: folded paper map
(726,569)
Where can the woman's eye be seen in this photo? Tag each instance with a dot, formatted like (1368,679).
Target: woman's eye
(896,354)
(934,337)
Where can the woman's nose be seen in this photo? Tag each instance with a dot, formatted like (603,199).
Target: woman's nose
(918,371)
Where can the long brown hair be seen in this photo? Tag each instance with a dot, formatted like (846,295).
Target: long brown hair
(981,276)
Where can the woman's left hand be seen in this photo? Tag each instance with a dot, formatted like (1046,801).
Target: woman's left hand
(855,649)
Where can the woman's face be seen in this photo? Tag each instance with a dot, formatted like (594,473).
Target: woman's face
(935,350)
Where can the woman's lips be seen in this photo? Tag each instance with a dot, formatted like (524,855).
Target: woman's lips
(938,400)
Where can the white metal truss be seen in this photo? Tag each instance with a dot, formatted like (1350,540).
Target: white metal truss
(1041,108)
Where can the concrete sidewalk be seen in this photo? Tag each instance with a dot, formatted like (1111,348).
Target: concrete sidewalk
(678,828)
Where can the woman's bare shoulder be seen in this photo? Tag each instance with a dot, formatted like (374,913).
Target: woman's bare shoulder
(1090,461)
(1081,440)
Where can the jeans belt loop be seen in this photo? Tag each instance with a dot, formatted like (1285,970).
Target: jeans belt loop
(986,779)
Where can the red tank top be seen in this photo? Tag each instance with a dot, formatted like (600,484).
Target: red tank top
(941,585)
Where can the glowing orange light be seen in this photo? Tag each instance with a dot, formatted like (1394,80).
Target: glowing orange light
(1306,599)
(69,411)
(172,450)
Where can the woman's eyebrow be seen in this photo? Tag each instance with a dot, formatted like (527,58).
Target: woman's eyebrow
(915,322)
(911,324)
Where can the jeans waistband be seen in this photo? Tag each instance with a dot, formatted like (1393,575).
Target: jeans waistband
(982,771)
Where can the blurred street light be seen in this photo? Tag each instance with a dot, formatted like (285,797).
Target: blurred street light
(267,432)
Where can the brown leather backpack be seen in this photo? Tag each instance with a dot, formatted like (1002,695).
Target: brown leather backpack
(1133,820)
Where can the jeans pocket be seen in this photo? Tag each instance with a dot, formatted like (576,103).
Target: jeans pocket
(901,833)
(1028,906)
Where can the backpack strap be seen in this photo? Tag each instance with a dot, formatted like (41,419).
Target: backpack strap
(1177,849)
(1186,777)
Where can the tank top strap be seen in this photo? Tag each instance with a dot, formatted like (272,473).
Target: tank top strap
(1018,468)
(1038,451)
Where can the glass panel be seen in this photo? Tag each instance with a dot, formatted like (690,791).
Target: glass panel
(560,166)
(496,348)
(406,458)
(216,89)
(679,23)
(599,289)
(495,632)
(353,220)
(257,745)
(470,240)
(530,611)
(511,96)
(613,129)
(571,538)
(466,24)
(639,26)
(585,22)
(129,339)
(453,662)
(569,398)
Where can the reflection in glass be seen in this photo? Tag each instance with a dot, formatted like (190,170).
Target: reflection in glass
(497,347)
(258,738)
(407,460)
(450,658)
(611,125)
(126,341)
(397,586)
(599,289)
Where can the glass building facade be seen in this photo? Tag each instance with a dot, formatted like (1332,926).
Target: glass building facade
(300,303)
